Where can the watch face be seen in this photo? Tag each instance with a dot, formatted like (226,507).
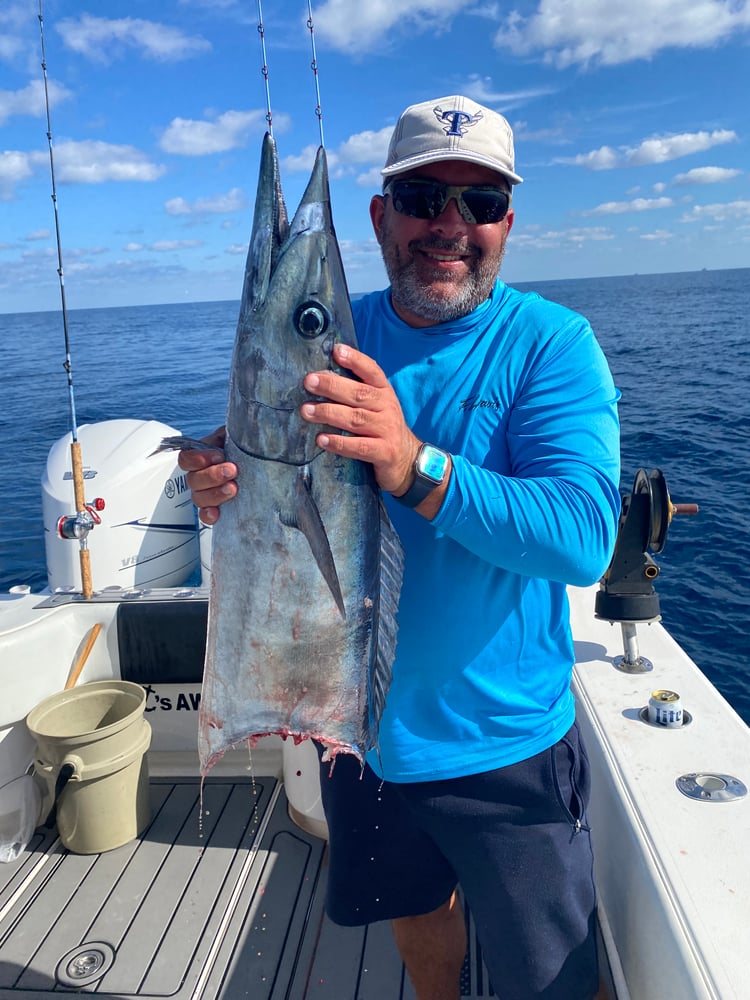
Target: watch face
(432,463)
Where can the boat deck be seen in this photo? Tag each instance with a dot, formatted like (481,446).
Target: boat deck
(217,898)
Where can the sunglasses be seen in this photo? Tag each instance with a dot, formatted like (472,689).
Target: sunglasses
(421,198)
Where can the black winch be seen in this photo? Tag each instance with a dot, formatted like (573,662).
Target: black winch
(626,593)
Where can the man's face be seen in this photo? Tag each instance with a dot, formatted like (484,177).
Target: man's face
(440,269)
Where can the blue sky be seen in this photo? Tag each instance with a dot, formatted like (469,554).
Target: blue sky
(632,132)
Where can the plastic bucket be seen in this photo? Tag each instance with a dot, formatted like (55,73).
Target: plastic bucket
(91,744)
(19,809)
(301,768)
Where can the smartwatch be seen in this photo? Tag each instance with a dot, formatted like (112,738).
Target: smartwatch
(430,470)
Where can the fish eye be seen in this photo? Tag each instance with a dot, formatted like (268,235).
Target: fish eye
(311,319)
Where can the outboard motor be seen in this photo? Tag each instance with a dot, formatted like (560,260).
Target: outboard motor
(145,526)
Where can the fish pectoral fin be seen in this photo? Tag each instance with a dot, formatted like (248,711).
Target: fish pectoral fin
(180,443)
(305,517)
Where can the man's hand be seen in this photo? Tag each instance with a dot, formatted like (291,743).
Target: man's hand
(369,411)
(211,479)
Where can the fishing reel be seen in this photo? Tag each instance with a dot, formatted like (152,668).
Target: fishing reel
(78,525)
(627,593)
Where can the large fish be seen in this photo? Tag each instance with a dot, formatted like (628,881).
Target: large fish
(306,567)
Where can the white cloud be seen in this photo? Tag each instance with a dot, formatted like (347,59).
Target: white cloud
(360,248)
(363,260)
(726,212)
(103,39)
(672,147)
(209,4)
(94,162)
(570,32)
(14,167)
(29,100)
(552,239)
(636,205)
(232,129)
(305,159)
(13,20)
(707,175)
(368,147)
(365,147)
(163,246)
(10,46)
(232,201)
(561,32)
(482,90)
(658,149)
(556,136)
(14,14)
(88,162)
(371,178)
(658,236)
(604,158)
(353,26)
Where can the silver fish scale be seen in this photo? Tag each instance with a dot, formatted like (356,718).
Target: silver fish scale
(306,567)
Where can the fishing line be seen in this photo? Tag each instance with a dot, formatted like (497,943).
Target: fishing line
(60,270)
(314,68)
(264,68)
(83,521)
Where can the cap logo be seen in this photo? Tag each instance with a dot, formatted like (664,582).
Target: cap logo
(456,122)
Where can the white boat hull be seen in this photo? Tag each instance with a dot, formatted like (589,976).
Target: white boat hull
(672,877)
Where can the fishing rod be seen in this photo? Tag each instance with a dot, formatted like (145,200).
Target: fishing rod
(78,525)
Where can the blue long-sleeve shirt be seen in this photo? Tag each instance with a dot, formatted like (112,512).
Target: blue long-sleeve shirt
(521,396)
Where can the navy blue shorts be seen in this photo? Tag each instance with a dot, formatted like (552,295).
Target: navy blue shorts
(515,839)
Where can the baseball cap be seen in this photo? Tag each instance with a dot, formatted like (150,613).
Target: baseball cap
(451,128)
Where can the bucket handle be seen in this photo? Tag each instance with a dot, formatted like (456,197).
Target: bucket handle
(64,775)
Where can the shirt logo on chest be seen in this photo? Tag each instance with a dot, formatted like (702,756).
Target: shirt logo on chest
(477,403)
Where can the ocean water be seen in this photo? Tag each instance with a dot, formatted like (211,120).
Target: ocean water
(678,346)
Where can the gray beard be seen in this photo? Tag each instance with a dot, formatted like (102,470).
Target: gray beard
(468,291)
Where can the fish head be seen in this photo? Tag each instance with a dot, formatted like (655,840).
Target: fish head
(295,307)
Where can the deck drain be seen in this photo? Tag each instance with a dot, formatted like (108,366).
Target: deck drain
(710,787)
(85,964)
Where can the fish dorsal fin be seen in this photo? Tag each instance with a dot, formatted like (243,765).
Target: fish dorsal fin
(270,226)
(386,624)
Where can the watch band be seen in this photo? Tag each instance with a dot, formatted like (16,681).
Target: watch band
(424,484)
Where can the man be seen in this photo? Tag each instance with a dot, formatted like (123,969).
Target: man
(489,417)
